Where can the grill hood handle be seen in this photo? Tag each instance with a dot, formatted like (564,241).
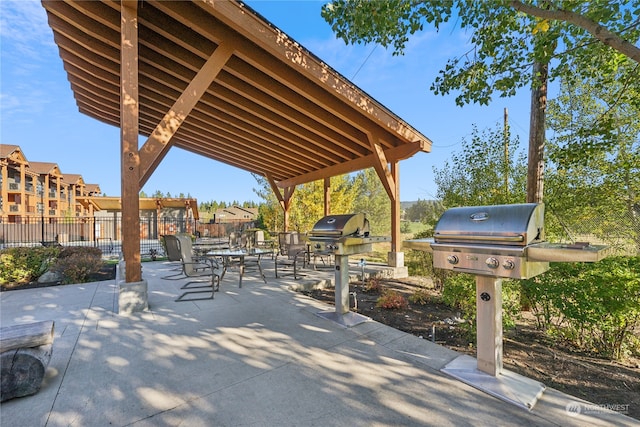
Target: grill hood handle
(479,237)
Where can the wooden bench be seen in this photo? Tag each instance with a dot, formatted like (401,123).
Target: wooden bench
(25,351)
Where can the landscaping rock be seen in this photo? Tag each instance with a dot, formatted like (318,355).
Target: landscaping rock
(51,277)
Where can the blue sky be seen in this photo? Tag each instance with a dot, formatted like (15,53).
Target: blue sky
(39,114)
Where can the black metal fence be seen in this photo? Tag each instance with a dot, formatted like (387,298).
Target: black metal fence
(106,232)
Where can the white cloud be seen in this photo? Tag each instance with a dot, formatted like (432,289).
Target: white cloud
(23,25)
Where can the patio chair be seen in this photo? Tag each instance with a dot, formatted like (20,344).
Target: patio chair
(204,270)
(264,244)
(290,253)
(172,248)
(235,240)
(327,259)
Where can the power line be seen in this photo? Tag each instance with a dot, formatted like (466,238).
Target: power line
(364,62)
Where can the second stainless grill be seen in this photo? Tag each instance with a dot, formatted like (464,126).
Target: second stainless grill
(345,234)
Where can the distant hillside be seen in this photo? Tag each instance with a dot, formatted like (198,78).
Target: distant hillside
(406,205)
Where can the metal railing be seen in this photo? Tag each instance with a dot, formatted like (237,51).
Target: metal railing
(106,232)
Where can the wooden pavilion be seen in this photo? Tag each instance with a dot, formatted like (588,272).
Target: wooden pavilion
(217,79)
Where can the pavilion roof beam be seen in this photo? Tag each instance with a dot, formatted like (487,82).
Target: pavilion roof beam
(277,128)
(381,165)
(108,76)
(264,62)
(157,145)
(273,160)
(280,45)
(393,154)
(230,157)
(245,81)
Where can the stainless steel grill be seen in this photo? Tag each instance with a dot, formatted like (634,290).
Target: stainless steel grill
(499,241)
(345,234)
(490,240)
(493,242)
(513,225)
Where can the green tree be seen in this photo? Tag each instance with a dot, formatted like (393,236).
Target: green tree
(506,38)
(417,211)
(372,199)
(426,211)
(482,174)
(307,203)
(514,44)
(595,190)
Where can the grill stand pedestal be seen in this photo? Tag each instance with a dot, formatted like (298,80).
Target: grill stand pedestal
(486,373)
(342,315)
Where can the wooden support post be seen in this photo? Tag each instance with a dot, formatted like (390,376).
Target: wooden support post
(395,257)
(130,160)
(327,196)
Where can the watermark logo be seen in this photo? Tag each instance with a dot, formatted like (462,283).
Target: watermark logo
(574,409)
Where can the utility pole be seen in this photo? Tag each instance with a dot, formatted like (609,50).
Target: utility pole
(506,154)
(535,172)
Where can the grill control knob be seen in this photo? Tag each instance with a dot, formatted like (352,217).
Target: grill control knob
(452,259)
(508,264)
(492,262)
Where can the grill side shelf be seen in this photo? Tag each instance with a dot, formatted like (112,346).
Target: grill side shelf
(418,244)
(559,252)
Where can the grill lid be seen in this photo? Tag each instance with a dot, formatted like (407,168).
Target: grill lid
(515,225)
(338,226)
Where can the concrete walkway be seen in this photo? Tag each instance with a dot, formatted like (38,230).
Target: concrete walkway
(255,356)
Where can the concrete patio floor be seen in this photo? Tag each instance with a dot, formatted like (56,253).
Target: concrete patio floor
(259,355)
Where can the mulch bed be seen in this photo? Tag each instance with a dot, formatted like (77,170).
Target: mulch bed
(107,272)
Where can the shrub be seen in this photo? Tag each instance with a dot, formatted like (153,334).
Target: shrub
(420,263)
(374,285)
(23,265)
(77,264)
(70,251)
(459,291)
(392,300)
(420,296)
(595,306)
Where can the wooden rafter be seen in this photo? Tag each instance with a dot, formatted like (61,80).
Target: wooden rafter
(158,144)
(287,112)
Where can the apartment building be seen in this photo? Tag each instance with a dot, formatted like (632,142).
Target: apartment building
(31,189)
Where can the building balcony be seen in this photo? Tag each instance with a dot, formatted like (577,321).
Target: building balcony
(14,186)
(14,208)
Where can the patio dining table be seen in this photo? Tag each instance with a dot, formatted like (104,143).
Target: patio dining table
(204,245)
(232,257)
